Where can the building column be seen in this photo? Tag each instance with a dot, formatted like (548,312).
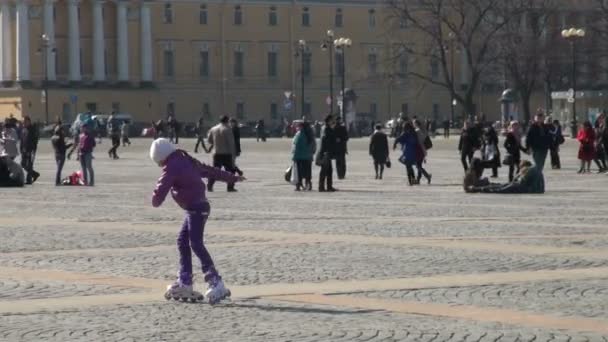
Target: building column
(122,49)
(146,43)
(74,74)
(99,48)
(23,42)
(49,30)
(6,55)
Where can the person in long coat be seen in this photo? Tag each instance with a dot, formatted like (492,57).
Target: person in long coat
(586,151)
(378,149)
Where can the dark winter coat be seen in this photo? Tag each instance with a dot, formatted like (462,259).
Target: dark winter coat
(513,147)
(29,139)
(341,139)
(378,147)
(469,141)
(539,138)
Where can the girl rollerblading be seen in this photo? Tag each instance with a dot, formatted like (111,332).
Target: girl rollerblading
(182,175)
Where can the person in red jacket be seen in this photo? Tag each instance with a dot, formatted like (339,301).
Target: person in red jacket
(586,151)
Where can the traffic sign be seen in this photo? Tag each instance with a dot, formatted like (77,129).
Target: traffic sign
(571,100)
(287,94)
(43,97)
(328,100)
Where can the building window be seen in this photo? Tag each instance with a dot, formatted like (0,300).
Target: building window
(307,110)
(272,16)
(206,110)
(305,17)
(238,64)
(168,14)
(403,62)
(372,18)
(91,107)
(405,109)
(372,62)
(338,19)
(171,107)
(435,111)
(373,109)
(169,67)
(274,111)
(116,107)
(339,63)
(202,15)
(240,110)
(306,65)
(238,15)
(204,64)
(272,64)
(434,68)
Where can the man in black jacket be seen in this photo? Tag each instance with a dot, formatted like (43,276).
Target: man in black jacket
(341,148)
(29,145)
(325,155)
(538,140)
(236,131)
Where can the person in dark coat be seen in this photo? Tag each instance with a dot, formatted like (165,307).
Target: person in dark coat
(236,132)
(60,147)
(378,149)
(490,150)
(325,154)
(200,135)
(538,140)
(29,145)
(467,144)
(514,148)
(113,128)
(409,150)
(260,131)
(557,139)
(341,148)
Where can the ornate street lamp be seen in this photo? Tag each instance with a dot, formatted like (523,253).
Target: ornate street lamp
(573,35)
(328,44)
(341,45)
(301,53)
(45,44)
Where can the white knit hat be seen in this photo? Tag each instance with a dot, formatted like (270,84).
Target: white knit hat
(160,149)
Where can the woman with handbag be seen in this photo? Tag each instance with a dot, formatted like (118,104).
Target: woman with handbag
(586,151)
(409,148)
(378,149)
(513,146)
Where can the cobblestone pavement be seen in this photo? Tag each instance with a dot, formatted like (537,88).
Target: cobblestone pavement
(376,261)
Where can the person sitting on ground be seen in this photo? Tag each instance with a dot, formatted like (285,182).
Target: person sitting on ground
(11,173)
(530,180)
(473,176)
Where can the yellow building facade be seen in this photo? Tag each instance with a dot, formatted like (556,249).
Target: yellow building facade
(207,58)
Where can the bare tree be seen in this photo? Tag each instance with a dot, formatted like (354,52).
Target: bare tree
(525,42)
(473,26)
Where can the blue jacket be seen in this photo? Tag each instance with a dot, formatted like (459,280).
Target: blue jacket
(409,146)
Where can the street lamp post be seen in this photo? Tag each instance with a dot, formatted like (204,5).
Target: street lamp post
(328,44)
(342,44)
(302,51)
(452,57)
(45,45)
(572,35)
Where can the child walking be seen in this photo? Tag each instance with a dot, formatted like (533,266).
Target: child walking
(181,174)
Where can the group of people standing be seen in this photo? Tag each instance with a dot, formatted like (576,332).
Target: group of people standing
(18,138)
(593,141)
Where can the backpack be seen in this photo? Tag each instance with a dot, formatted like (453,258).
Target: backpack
(428,143)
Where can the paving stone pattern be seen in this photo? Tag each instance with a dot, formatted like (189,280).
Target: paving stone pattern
(111,232)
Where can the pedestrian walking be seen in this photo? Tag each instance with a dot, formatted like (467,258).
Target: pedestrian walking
(260,131)
(409,150)
(446,129)
(28,146)
(182,176)
(221,138)
(557,139)
(86,145)
(424,143)
(124,133)
(514,148)
(303,149)
(467,145)
(341,147)
(60,147)
(378,149)
(538,140)
(600,152)
(113,129)
(586,151)
(200,135)
(326,153)
(490,151)
(236,132)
